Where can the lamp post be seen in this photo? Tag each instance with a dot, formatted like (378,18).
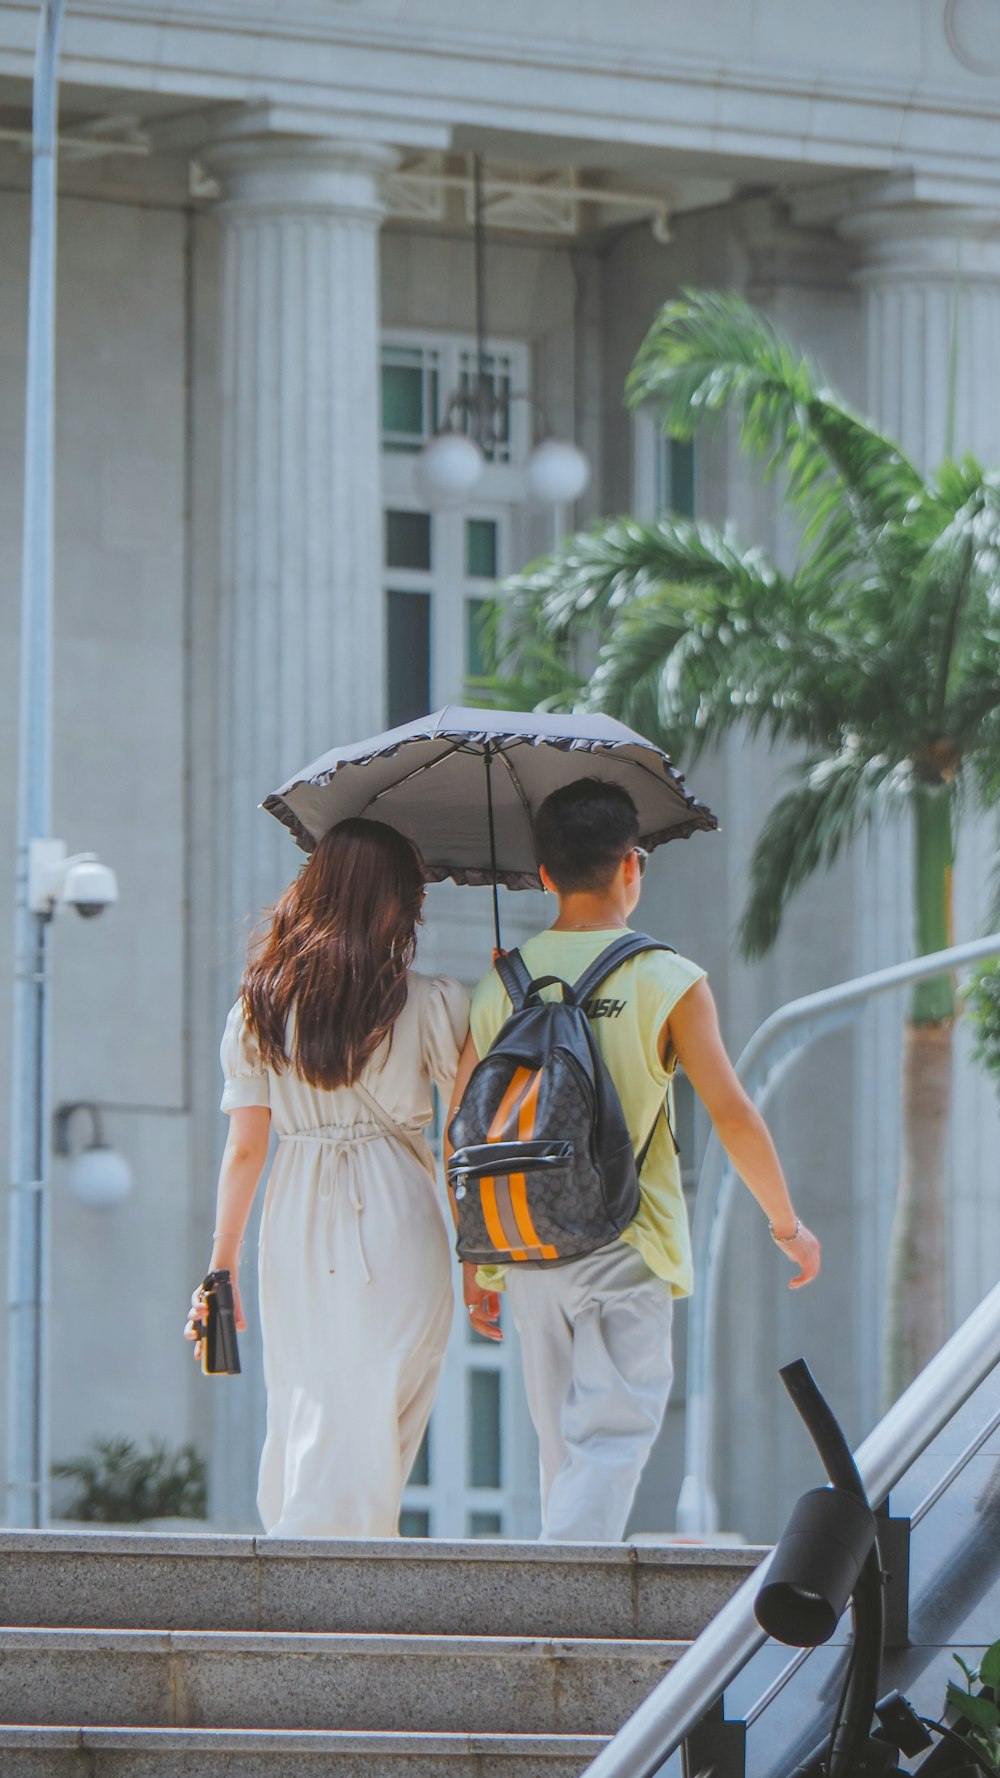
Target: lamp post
(28,1258)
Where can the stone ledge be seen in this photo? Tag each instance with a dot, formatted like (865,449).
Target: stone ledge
(395,1587)
(375,1684)
(310,1753)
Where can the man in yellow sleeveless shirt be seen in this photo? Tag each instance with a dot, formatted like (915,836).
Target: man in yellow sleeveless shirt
(596,1332)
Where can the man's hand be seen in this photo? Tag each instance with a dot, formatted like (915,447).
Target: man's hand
(803,1252)
(483,1305)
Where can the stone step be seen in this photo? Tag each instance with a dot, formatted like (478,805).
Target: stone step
(254,1753)
(264,1680)
(396,1586)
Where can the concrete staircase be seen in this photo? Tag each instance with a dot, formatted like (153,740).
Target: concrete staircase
(191,1657)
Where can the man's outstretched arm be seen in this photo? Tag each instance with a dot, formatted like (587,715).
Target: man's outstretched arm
(692,1032)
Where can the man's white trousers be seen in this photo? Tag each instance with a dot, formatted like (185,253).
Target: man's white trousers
(595,1336)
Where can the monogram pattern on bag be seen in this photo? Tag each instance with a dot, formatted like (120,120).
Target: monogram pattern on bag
(567,1203)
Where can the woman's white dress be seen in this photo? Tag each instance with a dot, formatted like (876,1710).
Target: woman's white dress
(355,1273)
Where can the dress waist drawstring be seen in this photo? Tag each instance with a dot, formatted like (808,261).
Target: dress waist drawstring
(339,1163)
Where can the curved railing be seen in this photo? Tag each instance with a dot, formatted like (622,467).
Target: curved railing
(696,1683)
(770,1052)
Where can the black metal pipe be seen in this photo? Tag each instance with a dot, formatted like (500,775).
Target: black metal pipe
(853,1726)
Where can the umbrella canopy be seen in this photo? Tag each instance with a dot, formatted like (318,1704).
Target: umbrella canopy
(464,785)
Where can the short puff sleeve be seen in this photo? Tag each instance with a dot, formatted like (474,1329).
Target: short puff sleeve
(246,1075)
(444,1027)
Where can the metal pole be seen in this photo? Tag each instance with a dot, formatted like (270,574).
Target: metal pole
(28,1251)
(761,1065)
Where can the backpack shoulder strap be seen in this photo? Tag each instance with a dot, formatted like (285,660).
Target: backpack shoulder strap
(612,958)
(511,969)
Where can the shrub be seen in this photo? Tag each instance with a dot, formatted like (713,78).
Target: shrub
(119,1483)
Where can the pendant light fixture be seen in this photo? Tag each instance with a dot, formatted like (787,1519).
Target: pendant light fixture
(452,463)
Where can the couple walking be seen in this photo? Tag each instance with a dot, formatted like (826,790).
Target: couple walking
(334,1046)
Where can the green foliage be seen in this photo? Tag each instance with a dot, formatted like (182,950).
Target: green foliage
(979,1714)
(876,654)
(981,995)
(118,1483)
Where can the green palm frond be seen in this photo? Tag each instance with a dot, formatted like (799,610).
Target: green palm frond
(711,350)
(545,682)
(596,573)
(694,665)
(629,679)
(952,615)
(878,654)
(806,831)
(699,634)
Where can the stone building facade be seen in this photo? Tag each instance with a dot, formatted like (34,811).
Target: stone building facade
(265,282)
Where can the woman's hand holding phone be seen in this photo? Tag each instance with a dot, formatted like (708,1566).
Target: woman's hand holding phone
(194,1326)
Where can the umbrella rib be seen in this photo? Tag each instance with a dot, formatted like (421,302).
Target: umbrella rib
(522,799)
(428,766)
(673,776)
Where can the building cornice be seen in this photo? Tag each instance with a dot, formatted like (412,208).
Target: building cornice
(426,80)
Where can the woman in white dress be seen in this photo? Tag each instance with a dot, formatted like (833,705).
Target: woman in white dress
(336,1039)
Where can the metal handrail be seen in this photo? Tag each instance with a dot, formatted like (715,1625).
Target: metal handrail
(695,1684)
(761,1065)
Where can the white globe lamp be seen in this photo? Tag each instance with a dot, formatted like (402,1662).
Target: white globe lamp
(557,472)
(448,468)
(100,1177)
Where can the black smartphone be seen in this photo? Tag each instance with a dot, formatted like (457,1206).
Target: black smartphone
(220,1352)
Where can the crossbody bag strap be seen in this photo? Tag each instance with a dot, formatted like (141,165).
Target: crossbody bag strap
(389,1123)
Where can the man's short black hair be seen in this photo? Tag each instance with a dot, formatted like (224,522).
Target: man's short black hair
(582,833)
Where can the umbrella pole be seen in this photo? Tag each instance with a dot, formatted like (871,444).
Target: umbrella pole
(493,845)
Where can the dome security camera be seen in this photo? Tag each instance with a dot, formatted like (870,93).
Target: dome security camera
(89,886)
(55,881)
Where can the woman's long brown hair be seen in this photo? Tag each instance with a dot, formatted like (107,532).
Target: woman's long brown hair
(335,953)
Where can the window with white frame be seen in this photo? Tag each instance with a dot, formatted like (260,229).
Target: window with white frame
(421,372)
(440,565)
(665,471)
(440,570)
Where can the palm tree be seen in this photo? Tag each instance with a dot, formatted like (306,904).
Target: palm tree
(875,657)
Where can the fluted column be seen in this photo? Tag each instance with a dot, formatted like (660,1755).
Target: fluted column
(930,275)
(930,280)
(300,640)
(300,601)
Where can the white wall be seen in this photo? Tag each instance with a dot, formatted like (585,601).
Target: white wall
(119,787)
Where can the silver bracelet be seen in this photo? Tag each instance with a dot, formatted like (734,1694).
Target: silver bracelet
(785,1240)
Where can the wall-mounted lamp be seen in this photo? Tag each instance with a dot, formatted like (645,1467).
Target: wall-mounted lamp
(99,1176)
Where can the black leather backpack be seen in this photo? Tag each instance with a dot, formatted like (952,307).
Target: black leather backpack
(543,1167)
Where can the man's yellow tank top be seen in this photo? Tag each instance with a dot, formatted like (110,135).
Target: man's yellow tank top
(627,1016)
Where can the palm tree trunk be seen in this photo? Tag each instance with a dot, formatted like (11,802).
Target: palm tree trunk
(916,1314)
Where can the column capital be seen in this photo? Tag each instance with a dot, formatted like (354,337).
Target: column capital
(783,254)
(283,173)
(909,228)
